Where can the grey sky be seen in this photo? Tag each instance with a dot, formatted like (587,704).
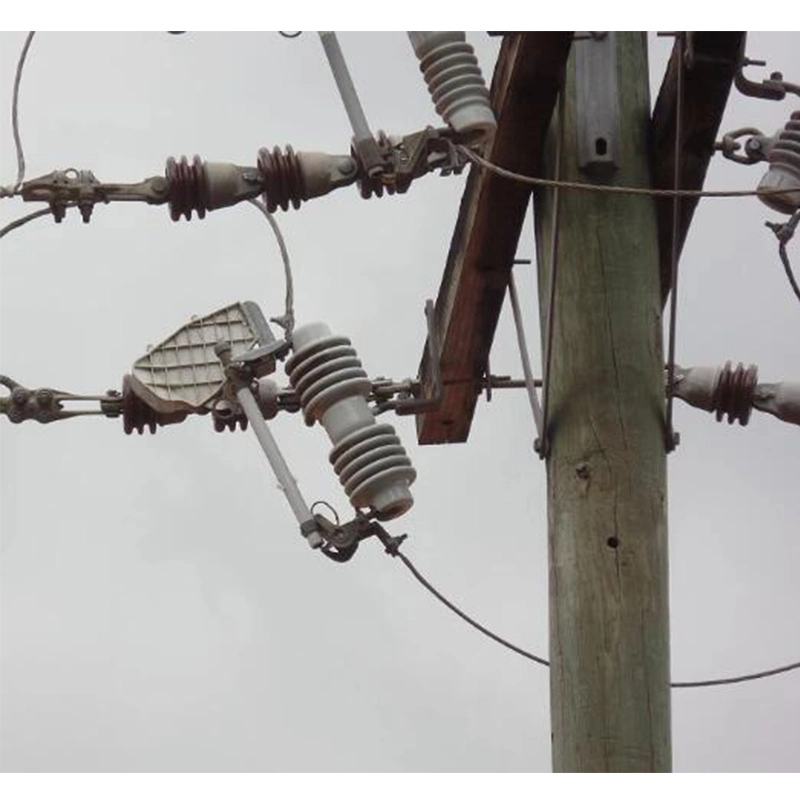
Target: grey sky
(159,609)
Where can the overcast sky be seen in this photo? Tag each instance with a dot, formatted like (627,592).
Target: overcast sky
(159,609)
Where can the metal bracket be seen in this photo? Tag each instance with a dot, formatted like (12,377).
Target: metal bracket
(406,158)
(419,404)
(597,105)
(341,541)
(62,188)
(756,147)
(772,88)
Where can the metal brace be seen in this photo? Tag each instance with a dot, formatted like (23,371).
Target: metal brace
(414,405)
(772,88)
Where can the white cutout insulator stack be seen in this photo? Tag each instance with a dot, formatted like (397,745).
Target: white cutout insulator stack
(454,80)
(332,386)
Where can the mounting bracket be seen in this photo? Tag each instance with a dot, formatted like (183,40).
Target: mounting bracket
(597,105)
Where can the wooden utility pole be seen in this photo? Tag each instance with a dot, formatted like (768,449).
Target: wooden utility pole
(606,469)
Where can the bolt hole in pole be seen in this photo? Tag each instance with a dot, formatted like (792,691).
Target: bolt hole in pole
(612,542)
(601,146)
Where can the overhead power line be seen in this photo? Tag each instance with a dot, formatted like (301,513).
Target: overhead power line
(784,232)
(752,676)
(19,222)
(609,189)
(287,320)
(12,190)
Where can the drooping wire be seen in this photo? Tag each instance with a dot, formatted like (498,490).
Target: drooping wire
(10,191)
(287,35)
(18,223)
(471,155)
(752,676)
(676,205)
(784,232)
(287,320)
(456,610)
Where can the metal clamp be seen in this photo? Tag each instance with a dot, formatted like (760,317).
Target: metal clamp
(63,188)
(341,541)
(756,148)
(45,405)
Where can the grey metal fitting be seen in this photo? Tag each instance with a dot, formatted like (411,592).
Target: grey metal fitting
(784,169)
(454,80)
(267,398)
(369,459)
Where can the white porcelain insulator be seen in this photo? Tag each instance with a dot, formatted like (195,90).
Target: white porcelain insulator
(332,386)
(783,177)
(454,80)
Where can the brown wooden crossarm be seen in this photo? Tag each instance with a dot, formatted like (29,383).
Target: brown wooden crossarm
(527,78)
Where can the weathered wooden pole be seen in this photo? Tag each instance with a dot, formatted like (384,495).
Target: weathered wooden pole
(606,467)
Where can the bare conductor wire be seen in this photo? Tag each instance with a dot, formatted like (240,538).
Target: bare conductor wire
(393,550)
(530,384)
(287,320)
(471,155)
(11,191)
